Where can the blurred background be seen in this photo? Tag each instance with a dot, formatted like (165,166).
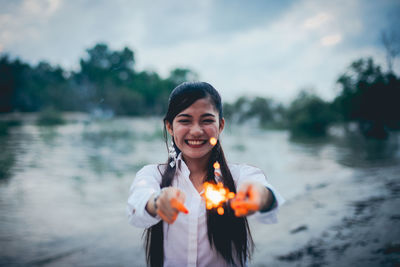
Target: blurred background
(310,91)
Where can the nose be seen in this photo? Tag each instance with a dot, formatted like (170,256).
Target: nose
(196,130)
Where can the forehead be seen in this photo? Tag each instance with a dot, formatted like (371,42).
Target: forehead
(203,105)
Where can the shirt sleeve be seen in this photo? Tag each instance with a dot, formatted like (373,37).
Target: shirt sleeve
(249,173)
(146,183)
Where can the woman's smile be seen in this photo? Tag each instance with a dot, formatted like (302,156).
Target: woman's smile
(195,143)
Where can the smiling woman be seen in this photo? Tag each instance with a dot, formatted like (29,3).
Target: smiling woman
(193,128)
(169,200)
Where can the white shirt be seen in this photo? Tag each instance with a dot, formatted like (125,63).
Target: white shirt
(186,240)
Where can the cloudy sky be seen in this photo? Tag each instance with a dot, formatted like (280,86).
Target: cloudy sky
(257,47)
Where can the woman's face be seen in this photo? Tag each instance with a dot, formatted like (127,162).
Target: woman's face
(193,127)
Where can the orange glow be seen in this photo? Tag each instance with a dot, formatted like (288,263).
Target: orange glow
(216,165)
(231,195)
(213,141)
(220,211)
(215,195)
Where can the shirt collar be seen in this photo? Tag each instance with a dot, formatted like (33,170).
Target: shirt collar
(183,168)
(181,165)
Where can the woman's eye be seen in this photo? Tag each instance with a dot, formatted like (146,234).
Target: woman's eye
(208,121)
(184,121)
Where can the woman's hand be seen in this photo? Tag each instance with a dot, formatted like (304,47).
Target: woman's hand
(168,204)
(251,197)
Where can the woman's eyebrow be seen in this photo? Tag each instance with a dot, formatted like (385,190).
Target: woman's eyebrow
(207,114)
(184,115)
(190,116)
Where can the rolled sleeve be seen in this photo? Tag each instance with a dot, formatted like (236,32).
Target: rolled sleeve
(146,183)
(249,173)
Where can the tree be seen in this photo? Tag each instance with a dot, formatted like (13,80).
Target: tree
(180,75)
(309,115)
(106,80)
(369,97)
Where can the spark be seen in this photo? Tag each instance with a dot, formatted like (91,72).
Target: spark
(216,165)
(216,195)
(213,141)
(220,211)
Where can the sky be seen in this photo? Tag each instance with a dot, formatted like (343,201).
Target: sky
(253,48)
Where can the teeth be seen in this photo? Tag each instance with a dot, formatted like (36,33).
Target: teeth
(195,142)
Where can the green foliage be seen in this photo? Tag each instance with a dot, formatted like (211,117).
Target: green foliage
(309,115)
(369,97)
(264,110)
(107,80)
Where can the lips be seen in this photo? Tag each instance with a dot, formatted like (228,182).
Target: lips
(195,143)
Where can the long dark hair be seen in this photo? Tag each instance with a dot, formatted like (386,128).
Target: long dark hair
(228,234)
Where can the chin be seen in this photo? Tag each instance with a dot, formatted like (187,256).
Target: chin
(196,155)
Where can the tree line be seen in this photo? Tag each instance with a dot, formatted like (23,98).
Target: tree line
(108,80)
(368,96)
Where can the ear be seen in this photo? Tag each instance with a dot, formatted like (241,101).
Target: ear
(221,125)
(169,128)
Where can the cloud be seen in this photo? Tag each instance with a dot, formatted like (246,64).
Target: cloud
(258,48)
(316,21)
(40,8)
(331,39)
(273,59)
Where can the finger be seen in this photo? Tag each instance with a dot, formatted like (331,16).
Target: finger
(248,205)
(243,191)
(163,217)
(240,212)
(241,195)
(166,208)
(179,206)
(254,194)
(180,196)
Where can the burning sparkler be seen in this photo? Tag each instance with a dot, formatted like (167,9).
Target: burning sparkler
(216,195)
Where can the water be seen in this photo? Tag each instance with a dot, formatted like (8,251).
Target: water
(63,188)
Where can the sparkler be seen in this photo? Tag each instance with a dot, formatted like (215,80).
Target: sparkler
(216,195)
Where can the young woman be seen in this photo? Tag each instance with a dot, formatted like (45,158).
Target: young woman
(166,199)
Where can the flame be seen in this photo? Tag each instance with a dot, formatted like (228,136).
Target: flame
(215,195)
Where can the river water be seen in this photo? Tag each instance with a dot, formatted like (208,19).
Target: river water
(63,188)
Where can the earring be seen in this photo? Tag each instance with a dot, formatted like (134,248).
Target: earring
(172,154)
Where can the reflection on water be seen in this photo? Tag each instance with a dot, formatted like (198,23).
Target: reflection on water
(64,199)
(361,152)
(7,158)
(7,149)
(355,150)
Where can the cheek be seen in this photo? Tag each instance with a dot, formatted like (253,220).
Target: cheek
(179,132)
(212,130)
